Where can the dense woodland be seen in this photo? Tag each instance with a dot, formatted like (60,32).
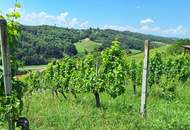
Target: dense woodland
(40,44)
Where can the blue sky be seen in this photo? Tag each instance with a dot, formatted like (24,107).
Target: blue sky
(159,17)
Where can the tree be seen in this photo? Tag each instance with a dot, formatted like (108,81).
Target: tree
(70,49)
(178,47)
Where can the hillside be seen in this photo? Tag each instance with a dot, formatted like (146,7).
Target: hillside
(139,56)
(168,96)
(41,44)
(86,45)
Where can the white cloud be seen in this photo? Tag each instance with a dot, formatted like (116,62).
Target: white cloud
(147,21)
(43,18)
(179,30)
(84,24)
(148,26)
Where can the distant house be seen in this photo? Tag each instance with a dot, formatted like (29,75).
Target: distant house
(187,48)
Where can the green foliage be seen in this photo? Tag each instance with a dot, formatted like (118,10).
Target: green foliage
(165,89)
(178,67)
(121,113)
(11,105)
(114,69)
(178,47)
(108,72)
(32,81)
(92,80)
(105,72)
(41,44)
(168,88)
(133,71)
(172,68)
(155,69)
(18,5)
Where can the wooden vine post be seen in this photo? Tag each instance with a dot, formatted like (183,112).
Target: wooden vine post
(145,80)
(6,65)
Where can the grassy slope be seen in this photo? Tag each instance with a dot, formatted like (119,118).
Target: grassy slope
(139,56)
(33,67)
(122,113)
(87,45)
(134,51)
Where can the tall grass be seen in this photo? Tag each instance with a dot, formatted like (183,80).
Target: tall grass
(51,113)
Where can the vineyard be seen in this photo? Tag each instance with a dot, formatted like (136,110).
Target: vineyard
(97,89)
(109,72)
(103,84)
(111,82)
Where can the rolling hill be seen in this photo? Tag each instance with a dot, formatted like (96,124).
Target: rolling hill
(41,44)
(139,56)
(86,45)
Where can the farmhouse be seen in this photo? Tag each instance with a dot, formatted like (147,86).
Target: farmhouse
(187,48)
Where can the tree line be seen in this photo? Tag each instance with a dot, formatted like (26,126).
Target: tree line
(41,44)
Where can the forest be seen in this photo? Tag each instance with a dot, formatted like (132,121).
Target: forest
(41,44)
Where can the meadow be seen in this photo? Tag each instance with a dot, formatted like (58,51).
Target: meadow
(86,46)
(52,113)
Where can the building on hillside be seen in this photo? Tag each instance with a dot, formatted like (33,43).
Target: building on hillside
(187,48)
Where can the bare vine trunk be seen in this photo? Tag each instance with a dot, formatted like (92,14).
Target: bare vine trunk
(134,88)
(73,92)
(97,98)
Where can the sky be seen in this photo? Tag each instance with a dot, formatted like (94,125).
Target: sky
(169,18)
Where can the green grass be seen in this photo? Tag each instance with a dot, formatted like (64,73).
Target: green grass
(158,43)
(46,112)
(87,45)
(51,113)
(134,51)
(140,56)
(33,67)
